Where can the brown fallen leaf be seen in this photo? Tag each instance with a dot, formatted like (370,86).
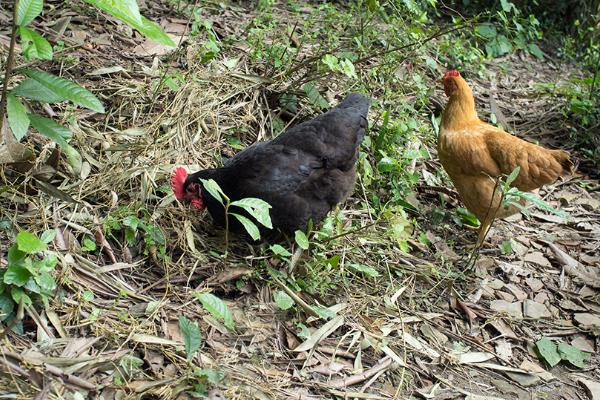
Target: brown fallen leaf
(592,388)
(537,258)
(535,310)
(512,309)
(587,320)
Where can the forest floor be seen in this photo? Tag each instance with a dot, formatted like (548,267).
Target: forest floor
(400,314)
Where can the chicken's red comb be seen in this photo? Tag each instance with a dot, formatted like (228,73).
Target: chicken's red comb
(452,73)
(177,181)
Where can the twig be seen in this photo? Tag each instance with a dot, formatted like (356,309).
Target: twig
(381,366)
(294,261)
(10,61)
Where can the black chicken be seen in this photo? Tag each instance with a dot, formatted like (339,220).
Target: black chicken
(303,173)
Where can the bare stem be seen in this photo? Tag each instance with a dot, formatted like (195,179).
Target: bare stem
(10,61)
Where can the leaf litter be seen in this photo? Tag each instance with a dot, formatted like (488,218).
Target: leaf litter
(143,324)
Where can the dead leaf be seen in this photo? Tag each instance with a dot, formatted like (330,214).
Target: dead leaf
(583,343)
(537,258)
(592,388)
(152,48)
(512,309)
(474,357)
(504,350)
(536,369)
(327,329)
(587,320)
(534,310)
(535,284)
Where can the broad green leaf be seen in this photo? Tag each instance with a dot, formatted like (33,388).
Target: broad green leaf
(314,97)
(283,300)
(17,117)
(122,9)
(548,351)
(7,305)
(32,287)
(48,263)
(216,307)
(513,175)
(257,208)
(280,251)
(66,89)
(50,129)
(573,355)
(88,295)
(364,269)
(29,243)
(249,226)
(506,5)
(331,61)
(28,10)
(34,45)
(16,257)
(46,282)
(48,235)
(18,295)
(32,89)
(191,336)
(348,68)
(535,51)
(214,189)
(16,275)
(486,30)
(141,24)
(301,239)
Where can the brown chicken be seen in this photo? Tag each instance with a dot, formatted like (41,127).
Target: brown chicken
(474,154)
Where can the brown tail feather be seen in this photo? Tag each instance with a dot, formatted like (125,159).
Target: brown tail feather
(564,160)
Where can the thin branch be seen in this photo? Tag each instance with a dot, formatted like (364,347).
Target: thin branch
(10,61)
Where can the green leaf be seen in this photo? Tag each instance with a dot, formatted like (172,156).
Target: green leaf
(88,295)
(7,305)
(257,208)
(88,245)
(34,45)
(301,239)
(513,175)
(364,269)
(48,235)
(213,189)
(348,69)
(191,336)
(280,251)
(46,282)
(50,129)
(535,51)
(547,350)
(506,247)
(283,300)
(32,89)
(28,10)
(122,9)
(249,226)
(29,243)
(66,88)
(16,275)
(506,5)
(573,355)
(331,61)
(486,30)
(141,24)
(541,204)
(17,117)
(216,307)
(314,97)
(19,295)
(15,256)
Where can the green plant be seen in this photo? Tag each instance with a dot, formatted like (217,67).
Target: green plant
(135,225)
(43,87)
(257,208)
(28,275)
